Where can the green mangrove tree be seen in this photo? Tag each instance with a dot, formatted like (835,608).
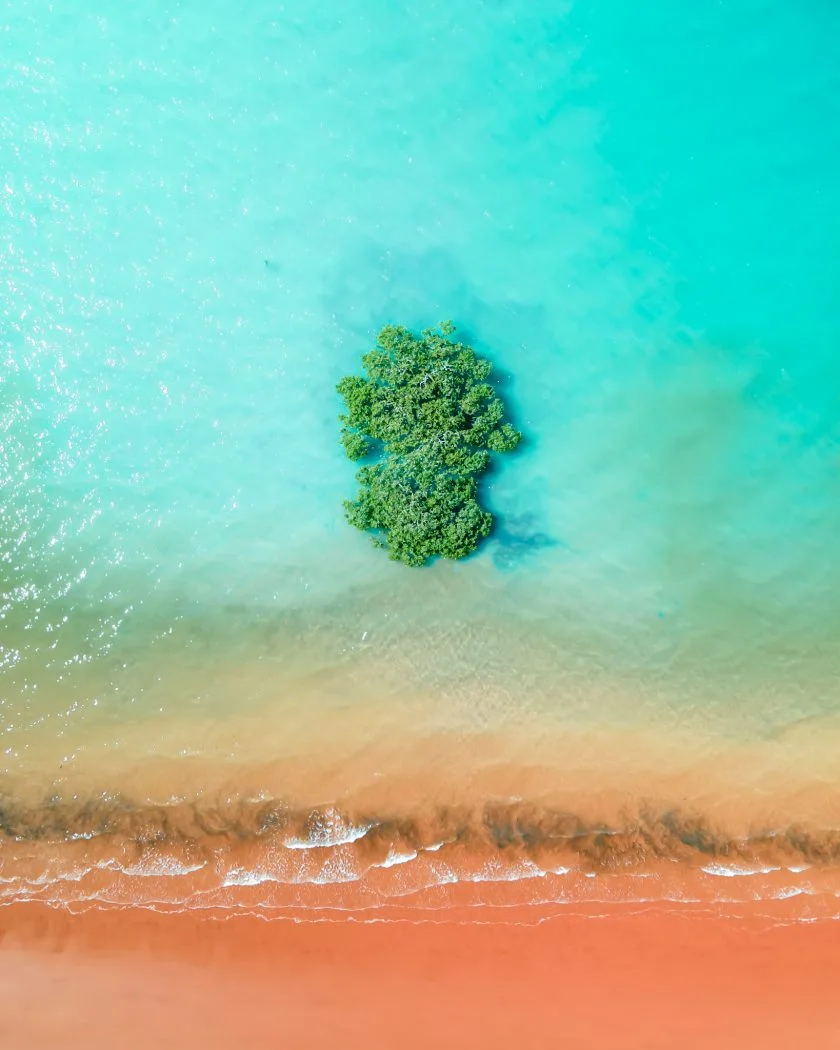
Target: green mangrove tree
(425,420)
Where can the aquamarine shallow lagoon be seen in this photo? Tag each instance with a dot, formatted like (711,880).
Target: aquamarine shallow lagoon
(206,216)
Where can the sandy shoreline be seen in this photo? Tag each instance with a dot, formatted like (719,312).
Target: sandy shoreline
(639,979)
(573,816)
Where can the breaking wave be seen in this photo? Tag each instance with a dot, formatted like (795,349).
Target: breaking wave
(264,855)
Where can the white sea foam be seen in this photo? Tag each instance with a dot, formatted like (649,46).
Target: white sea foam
(243,877)
(790,891)
(330,829)
(153,867)
(395,857)
(495,871)
(734,870)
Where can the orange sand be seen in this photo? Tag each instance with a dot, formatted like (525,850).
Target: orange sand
(401,956)
(634,979)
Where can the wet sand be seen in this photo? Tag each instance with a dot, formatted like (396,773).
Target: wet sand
(574,816)
(636,979)
(578,889)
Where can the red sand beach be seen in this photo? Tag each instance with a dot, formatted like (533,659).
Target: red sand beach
(707,912)
(638,979)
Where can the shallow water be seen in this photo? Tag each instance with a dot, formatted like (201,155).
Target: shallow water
(208,216)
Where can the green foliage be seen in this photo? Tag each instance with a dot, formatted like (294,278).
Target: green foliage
(427,414)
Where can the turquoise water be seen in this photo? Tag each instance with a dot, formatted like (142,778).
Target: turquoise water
(208,212)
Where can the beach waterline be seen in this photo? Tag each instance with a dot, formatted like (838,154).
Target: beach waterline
(375,815)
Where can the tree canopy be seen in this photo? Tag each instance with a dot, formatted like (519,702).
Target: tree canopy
(426,420)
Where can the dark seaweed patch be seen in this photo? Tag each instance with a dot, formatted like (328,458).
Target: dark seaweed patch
(509,829)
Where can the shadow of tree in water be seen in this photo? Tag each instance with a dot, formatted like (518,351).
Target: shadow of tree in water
(376,285)
(516,537)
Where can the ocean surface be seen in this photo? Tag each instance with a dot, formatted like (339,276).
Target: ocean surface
(213,690)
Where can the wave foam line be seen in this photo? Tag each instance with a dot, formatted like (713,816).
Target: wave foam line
(248,852)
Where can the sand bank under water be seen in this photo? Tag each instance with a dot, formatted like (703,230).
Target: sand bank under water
(642,980)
